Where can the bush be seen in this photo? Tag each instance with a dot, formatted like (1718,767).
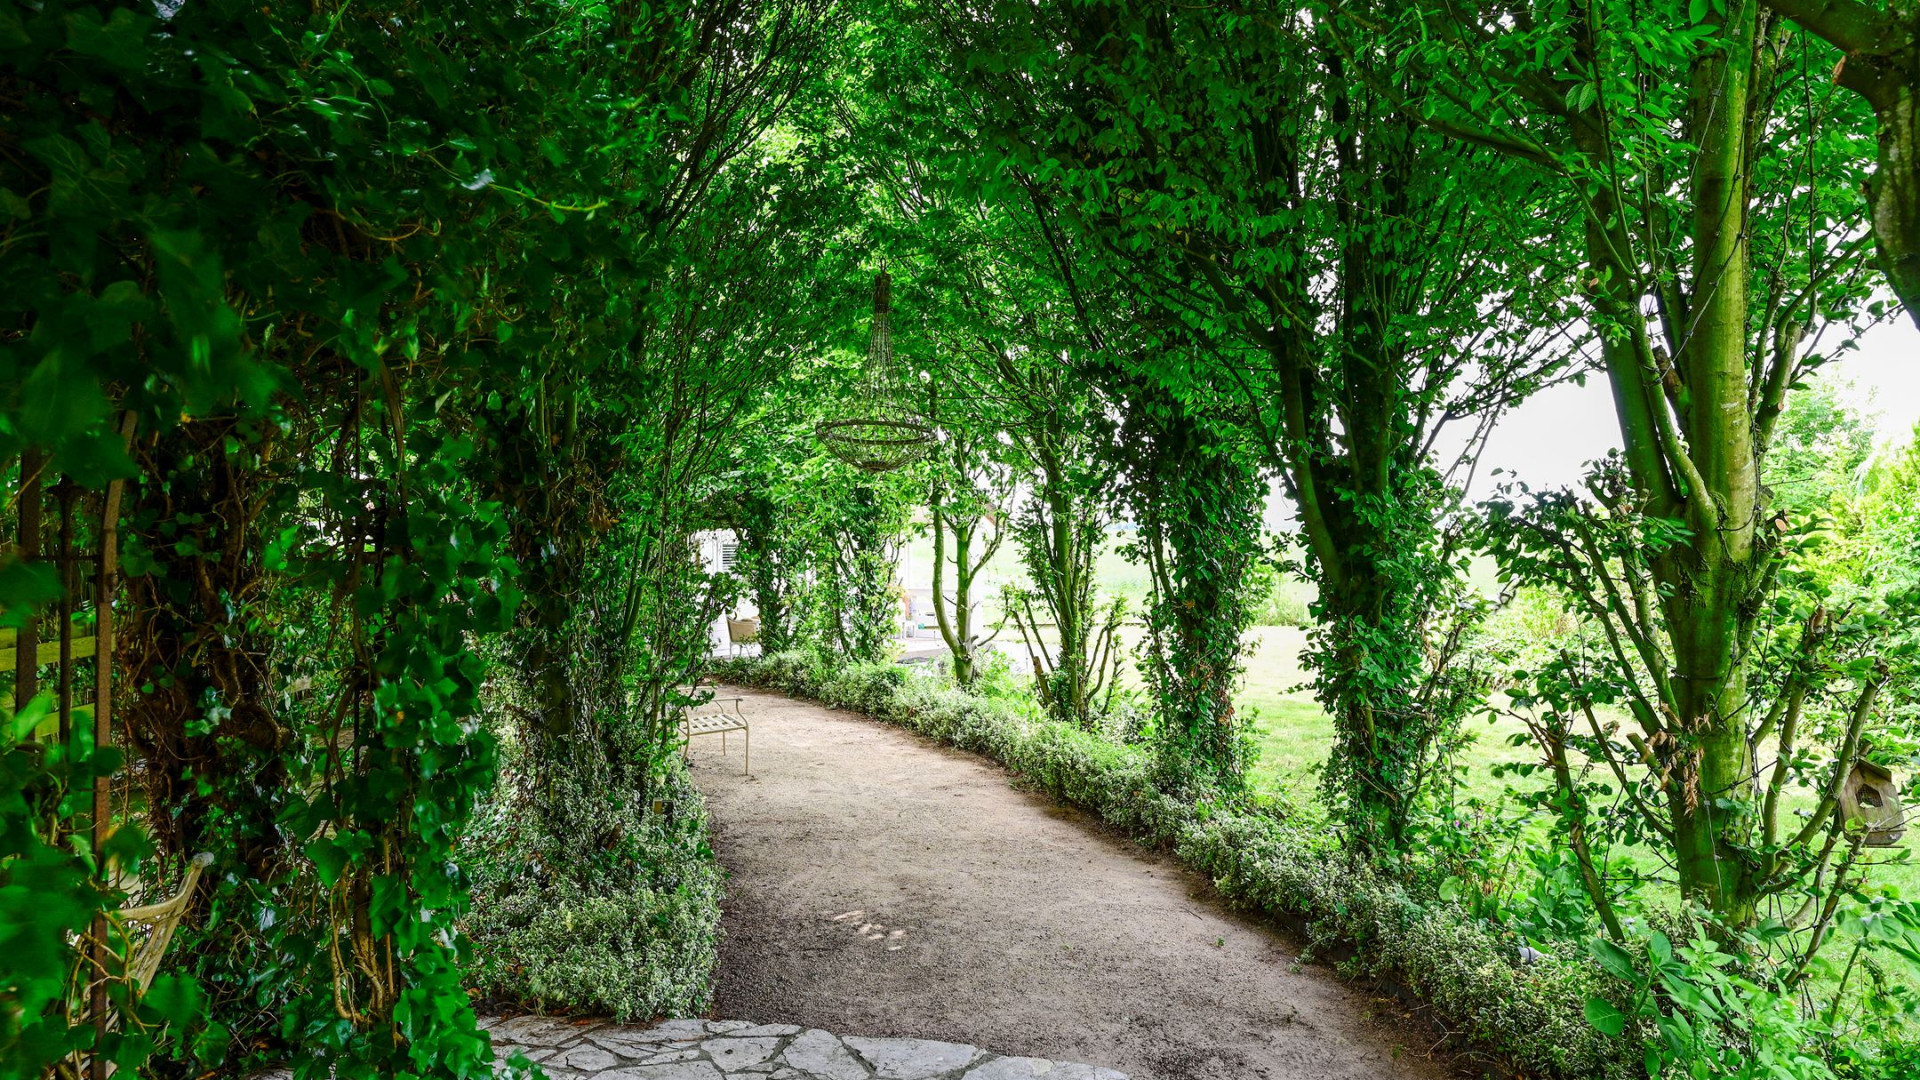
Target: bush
(1265,858)
(1285,603)
(618,917)
(1532,629)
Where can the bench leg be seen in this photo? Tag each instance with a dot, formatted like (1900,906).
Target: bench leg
(746,741)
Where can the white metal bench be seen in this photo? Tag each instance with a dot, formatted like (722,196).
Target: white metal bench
(161,919)
(719,722)
(144,954)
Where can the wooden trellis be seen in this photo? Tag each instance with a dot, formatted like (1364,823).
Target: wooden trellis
(79,632)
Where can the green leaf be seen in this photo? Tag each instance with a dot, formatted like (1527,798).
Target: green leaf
(25,587)
(121,41)
(29,718)
(177,998)
(60,400)
(1605,1017)
(329,858)
(1616,960)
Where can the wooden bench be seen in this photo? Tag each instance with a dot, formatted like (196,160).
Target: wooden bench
(719,722)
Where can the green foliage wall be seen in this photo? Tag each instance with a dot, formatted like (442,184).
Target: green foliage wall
(379,293)
(427,333)
(266,237)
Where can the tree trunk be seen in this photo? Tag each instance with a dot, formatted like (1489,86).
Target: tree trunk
(1882,64)
(956,623)
(1197,497)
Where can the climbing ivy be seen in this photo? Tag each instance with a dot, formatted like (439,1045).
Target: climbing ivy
(350,273)
(1196,493)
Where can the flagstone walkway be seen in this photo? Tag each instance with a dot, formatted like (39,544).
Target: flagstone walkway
(729,1049)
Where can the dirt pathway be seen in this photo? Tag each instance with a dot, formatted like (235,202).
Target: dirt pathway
(886,885)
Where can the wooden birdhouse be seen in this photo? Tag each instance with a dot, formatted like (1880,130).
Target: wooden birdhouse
(1871,798)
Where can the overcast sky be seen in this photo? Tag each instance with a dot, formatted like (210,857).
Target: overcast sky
(1547,440)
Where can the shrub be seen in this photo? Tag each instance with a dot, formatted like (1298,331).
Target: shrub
(1531,629)
(1265,858)
(1285,602)
(620,918)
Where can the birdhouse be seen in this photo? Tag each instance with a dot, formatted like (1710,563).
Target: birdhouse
(1871,798)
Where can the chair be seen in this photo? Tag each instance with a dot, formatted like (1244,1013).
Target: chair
(742,632)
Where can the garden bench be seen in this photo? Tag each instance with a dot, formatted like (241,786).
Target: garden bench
(160,919)
(144,954)
(718,722)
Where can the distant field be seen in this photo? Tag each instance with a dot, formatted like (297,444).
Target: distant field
(1294,734)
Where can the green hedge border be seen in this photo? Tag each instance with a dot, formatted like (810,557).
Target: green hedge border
(632,942)
(1469,974)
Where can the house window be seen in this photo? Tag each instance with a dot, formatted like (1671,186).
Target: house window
(729,554)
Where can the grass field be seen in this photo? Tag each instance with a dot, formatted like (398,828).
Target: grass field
(1294,735)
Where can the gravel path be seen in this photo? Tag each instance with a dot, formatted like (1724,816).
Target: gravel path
(885,885)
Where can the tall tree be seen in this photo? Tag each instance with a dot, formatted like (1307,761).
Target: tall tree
(1193,482)
(1711,168)
(1001,336)
(690,90)
(1354,293)
(969,499)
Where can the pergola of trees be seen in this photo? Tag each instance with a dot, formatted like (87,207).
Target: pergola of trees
(370,371)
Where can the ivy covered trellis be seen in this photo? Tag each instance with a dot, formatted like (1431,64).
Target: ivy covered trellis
(345,310)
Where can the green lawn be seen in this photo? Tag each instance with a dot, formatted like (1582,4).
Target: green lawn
(1293,733)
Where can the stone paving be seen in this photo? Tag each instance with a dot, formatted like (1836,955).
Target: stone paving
(730,1049)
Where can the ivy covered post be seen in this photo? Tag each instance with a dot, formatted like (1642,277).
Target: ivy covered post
(865,523)
(1194,486)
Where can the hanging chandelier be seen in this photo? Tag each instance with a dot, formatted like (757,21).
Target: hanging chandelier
(880,430)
